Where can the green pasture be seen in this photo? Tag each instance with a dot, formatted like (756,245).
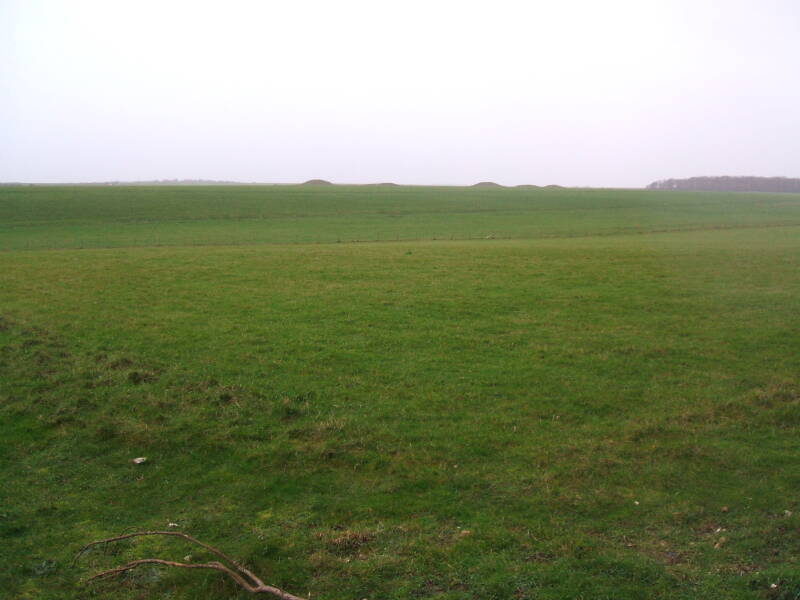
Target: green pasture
(603,405)
(52,217)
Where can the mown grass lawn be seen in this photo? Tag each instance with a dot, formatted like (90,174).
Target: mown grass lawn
(610,416)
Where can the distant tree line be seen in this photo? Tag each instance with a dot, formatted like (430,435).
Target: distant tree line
(729,184)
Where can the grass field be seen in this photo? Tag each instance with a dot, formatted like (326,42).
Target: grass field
(604,405)
(41,217)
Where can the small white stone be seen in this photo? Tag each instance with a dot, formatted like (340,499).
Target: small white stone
(138,461)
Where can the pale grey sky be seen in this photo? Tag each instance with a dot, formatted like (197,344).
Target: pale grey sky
(575,92)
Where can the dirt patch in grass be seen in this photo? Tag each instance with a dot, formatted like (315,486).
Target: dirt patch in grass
(140,377)
(346,542)
(120,363)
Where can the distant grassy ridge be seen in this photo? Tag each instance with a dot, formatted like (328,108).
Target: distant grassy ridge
(34,217)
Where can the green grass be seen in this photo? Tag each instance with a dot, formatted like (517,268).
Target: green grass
(42,217)
(579,413)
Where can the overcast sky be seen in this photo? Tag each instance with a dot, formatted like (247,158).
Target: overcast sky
(574,92)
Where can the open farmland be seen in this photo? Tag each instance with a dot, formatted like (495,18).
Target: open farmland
(108,216)
(496,393)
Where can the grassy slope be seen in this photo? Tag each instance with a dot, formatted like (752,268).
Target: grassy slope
(339,415)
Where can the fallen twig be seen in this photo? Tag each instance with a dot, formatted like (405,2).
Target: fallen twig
(242,576)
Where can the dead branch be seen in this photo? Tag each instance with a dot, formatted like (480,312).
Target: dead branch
(242,576)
